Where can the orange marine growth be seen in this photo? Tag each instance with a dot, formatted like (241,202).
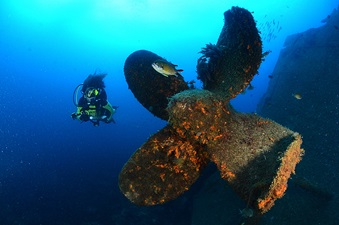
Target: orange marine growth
(256,156)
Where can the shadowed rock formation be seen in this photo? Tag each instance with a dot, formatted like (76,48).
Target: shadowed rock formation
(308,65)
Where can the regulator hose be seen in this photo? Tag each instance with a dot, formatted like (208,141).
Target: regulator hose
(75,94)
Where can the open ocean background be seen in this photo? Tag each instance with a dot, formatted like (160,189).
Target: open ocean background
(56,171)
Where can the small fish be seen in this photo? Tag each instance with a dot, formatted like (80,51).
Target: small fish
(297,96)
(250,87)
(166,68)
(191,84)
(266,53)
(326,19)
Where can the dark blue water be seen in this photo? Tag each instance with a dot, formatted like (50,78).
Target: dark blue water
(54,170)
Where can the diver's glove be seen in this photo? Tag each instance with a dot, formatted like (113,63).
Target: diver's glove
(74,116)
(84,117)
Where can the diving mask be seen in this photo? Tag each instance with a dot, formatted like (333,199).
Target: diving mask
(91,92)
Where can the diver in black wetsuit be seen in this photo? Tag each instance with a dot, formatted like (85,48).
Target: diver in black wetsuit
(93,105)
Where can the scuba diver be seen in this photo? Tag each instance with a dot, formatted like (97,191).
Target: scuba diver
(93,105)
